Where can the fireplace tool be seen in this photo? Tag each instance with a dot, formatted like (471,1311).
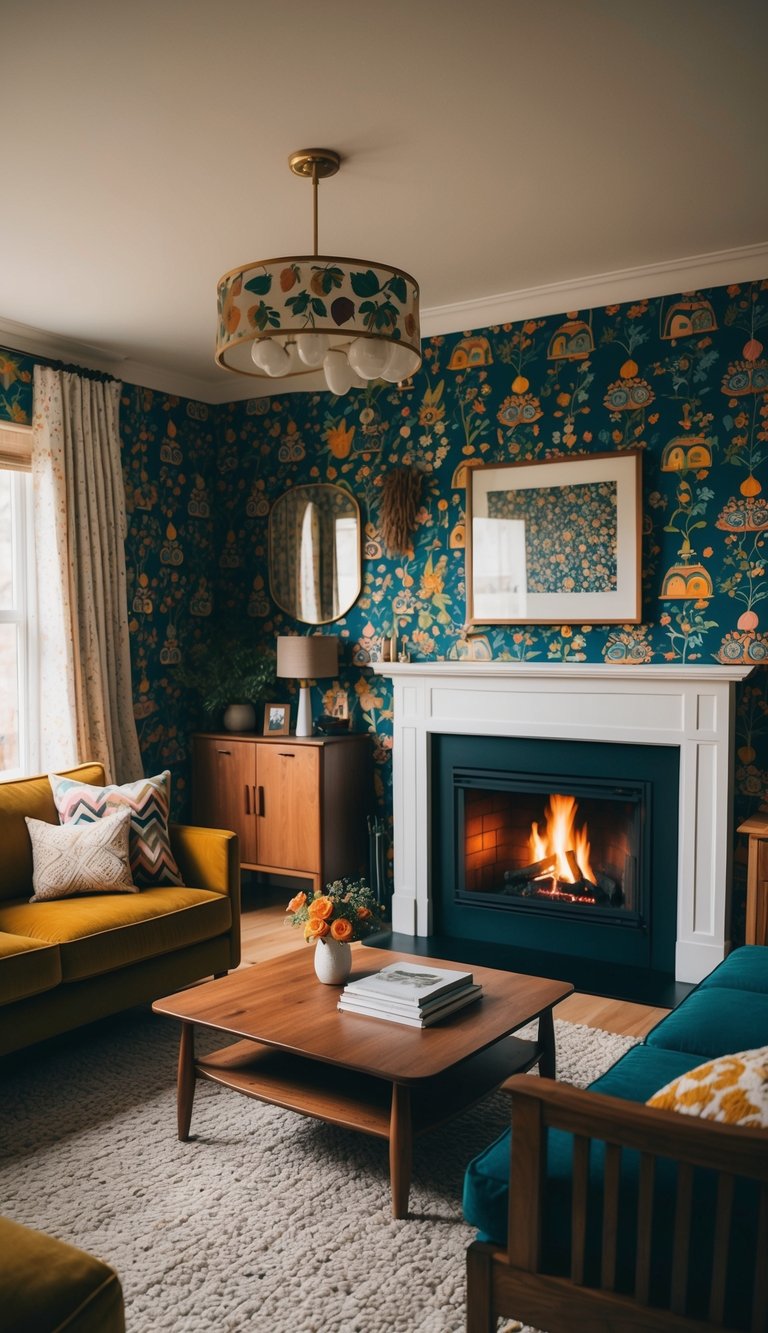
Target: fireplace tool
(378,860)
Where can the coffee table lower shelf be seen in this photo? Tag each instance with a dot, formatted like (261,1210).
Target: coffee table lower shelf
(351,1099)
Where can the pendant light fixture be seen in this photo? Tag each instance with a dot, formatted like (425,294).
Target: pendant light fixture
(356,318)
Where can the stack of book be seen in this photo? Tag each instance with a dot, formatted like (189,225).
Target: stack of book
(411,993)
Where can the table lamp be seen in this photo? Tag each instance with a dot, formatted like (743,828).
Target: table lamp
(304,658)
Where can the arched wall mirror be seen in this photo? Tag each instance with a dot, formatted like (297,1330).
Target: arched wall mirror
(314,553)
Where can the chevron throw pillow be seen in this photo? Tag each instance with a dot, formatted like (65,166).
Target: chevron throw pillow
(80,858)
(153,864)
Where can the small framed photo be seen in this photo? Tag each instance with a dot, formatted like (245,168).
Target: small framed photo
(277,719)
(340,704)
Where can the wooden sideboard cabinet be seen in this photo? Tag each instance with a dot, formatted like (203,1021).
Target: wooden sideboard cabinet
(298,806)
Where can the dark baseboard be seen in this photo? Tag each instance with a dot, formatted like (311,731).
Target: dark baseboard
(636,985)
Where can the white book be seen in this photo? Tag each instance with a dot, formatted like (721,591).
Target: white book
(417,982)
(386,1004)
(413,1021)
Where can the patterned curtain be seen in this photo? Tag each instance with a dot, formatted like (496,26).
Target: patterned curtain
(86,702)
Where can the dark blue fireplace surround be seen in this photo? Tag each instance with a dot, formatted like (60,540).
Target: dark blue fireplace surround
(631,956)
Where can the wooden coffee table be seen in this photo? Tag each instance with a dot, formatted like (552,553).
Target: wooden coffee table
(298,1051)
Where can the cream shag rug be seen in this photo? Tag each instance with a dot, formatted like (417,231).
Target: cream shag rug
(267,1222)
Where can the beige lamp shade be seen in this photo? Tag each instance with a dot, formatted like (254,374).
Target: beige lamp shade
(307,657)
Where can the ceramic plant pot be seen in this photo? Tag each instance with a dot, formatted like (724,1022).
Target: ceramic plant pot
(240,717)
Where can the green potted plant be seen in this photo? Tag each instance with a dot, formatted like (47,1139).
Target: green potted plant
(229,673)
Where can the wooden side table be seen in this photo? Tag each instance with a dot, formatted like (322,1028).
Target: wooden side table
(756,830)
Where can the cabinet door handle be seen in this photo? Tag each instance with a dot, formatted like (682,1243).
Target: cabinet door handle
(247,800)
(224,752)
(285,755)
(260,810)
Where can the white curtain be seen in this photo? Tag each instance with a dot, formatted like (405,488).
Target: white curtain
(86,703)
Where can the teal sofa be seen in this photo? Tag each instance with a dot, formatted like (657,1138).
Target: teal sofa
(597,1212)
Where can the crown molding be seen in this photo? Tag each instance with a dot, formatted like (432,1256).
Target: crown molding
(60,347)
(744,264)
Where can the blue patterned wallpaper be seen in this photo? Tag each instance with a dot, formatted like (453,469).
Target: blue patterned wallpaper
(684,379)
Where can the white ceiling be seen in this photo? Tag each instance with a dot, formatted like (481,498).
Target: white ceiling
(490,147)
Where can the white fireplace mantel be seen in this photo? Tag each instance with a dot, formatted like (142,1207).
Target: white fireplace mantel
(690,707)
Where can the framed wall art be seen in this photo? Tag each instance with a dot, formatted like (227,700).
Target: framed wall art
(555,542)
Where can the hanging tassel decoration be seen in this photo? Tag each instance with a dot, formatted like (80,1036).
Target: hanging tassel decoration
(399,505)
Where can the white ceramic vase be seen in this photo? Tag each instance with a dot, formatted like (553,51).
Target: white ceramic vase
(240,717)
(333,961)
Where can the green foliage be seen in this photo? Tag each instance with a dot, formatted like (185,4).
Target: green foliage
(259,285)
(227,668)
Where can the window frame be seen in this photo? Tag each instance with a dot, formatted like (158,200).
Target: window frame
(15,462)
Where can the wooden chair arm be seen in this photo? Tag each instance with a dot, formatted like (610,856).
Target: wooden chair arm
(740,1150)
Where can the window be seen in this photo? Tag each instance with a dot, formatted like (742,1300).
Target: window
(18,637)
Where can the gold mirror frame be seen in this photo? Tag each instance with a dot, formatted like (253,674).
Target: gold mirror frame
(315,566)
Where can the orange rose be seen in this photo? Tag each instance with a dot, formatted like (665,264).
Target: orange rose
(363,913)
(315,929)
(341,929)
(321,908)
(296,902)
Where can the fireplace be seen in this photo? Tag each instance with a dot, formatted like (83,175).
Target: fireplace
(670,709)
(557,846)
(539,846)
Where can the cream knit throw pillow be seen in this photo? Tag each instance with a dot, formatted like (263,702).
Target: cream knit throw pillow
(72,859)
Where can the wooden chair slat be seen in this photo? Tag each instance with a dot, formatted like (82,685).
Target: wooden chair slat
(644,1227)
(720,1248)
(611,1179)
(760,1290)
(580,1191)
(526,1182)
(682,1240)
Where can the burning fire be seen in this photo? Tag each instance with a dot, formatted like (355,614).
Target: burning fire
(563,841)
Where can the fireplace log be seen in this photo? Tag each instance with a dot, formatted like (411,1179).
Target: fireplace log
(514,878)
(573,866)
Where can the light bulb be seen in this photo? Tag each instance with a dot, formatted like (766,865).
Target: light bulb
(257,349)
(368,356)
(401,363)
(295,364)
(274,358)
(312,348)
(338,375)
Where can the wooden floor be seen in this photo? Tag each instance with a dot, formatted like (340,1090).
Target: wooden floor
(266,933)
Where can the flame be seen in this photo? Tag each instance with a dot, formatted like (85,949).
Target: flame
(561,836)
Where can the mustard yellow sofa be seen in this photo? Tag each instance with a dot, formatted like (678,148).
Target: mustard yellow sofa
(72,960)
(47,1286)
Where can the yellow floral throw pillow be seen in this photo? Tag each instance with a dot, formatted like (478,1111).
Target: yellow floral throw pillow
(732,1089)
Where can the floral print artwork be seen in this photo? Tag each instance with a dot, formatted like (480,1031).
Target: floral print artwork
(570,535)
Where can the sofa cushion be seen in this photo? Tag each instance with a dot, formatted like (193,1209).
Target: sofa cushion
(33,797)
(733,1090)
(47,1285)
(714,1020)
(74,859)
(153,864)
(745,969)
(26,967)
(99,934)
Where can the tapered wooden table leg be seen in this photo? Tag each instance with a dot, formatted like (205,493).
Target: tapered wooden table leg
(185,1081)
(547,1044)
(400,1149)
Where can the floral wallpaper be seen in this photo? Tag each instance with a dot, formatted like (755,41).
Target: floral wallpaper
(684,379)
